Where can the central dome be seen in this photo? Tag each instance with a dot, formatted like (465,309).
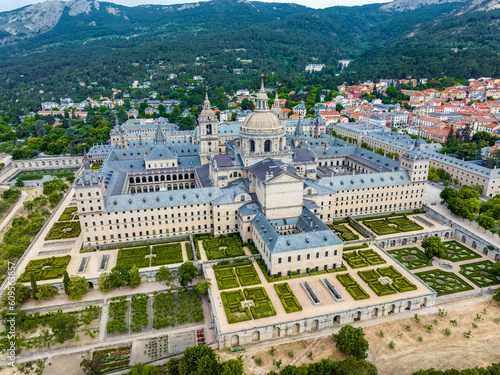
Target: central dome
(262,121)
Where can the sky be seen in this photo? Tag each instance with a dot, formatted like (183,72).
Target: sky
(14,4)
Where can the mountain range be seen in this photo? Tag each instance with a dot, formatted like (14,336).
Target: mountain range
(58,41)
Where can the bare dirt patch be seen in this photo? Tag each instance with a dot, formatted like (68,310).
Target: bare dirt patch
(64,365)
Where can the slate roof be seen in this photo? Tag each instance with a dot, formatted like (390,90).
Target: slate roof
(266,166)
(360,181)
(315,233)
(162,199)
(160,151)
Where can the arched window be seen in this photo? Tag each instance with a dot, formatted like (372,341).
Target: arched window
(132,190)
(193,185)
(186,176)
(150,179)
(144,179)
(192,175)
(169,187)
(139,189)
(169,178)
(151,189)
(162,178)
(180,176)
(174,177)
(131,180)
(156,179)
(267,146)
(252,145)
(186,185)
(157,188)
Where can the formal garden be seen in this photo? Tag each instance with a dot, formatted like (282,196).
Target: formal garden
(140,316)
(411,257)
(352,286)
(46,268)
(261,306)
(456,252)
(390,224)
(64,229)
(69,214)
(363,258)
(287,298)
(114,358)
(228,274)
(294,274)
(480,273)
(150,255)
(393,281)
(118,315)
(221,247)
(444,282)
(41,173)
(176,309)
(344,231)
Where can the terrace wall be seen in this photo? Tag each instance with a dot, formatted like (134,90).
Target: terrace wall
(324,321)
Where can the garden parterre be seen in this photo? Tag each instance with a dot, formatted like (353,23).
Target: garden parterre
(390,225)
(480,273)
(223,247)
(46,268)
(444,282)
(64,229)
(288,299)
(411,257)
(456,252)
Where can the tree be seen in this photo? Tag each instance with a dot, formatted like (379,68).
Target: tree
(163,273)
(66,281)
(486,222)
(92,366)
(352,341)
(54,198)
(232,367)
(202,287)
(247,104)
(339,107)
(452,141)
(105,283)
(433,247)
(135,279)
(120,275)
(187,272)
(21,294)
(199,360)
(77,287)
(46,291)
(141,369)
(19,183)
(34,287)
(466,134)
(352,365)
(173,366)
(63,326)
(496,296)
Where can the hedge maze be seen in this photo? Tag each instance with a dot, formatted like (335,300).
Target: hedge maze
(68,214)
(66,229)
(399,283)
(391,225)
(288,299)
(232,306)
(363,258)
(354,289)
(456,252)
(46,268)
(225,274)
(134,256)
(344,232)
(479,273)
(263,307)
(411,257)
(444,282)
(223,247)
(168,253)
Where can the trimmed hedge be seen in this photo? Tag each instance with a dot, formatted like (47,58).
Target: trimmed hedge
(382,289)
(223,247)
(357,292)
(389,272)
(456,252)
(287,298)
(226,279)
(67,229)
(369,276)
(354,260)
(420,260)
(346,280)
(68,214)
(263,306)
(343,232)
(364,246)
(166,254)
(247,275)
(372,257)
(57,266)
(402,284)
(444,282)
(232,307)
(133,256)
(480,273)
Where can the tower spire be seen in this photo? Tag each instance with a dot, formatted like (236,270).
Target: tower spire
(86,161)
(299,132)
(262,83)
(159,137)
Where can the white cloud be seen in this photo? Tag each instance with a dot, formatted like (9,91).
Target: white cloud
(14,4)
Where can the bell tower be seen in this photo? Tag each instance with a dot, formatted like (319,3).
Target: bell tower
(209,139)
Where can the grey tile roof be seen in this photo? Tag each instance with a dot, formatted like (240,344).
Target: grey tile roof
(268,166)
(361,181)
(315,233)
(160,152)
(302,156)
(158,199)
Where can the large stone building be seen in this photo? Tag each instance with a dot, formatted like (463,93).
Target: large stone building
(274,188)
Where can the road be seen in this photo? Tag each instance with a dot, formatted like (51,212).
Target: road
(14,210)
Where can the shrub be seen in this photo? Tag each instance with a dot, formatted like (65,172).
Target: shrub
(447,331)
(381,333)
(392,345)
(272,350)
(420,338)
(290,353)
(258,360)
